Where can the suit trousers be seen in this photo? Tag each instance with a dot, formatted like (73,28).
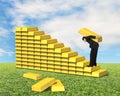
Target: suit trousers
(93,56)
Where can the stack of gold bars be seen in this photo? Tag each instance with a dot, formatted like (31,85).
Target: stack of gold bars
(55,84)
(39,51)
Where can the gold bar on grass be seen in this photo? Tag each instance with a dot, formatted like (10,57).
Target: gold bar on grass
(43,84)
(31,75)
(58,86)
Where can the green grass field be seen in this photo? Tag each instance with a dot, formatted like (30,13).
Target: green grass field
(13,84)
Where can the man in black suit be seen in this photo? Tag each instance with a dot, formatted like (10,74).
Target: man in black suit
(94,49)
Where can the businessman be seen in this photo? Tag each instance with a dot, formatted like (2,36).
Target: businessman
(94,49)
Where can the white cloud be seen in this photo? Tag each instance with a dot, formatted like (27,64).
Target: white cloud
(4,52)
(1,52)
(41,8)
(66,29)
(32,8)
(98,15)
(3,32)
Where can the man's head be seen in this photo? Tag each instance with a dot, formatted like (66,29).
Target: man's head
(84,39)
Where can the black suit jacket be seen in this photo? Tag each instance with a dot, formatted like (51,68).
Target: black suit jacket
(92,44)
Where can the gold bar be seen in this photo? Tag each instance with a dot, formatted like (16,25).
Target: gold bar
(69,54)
(76,58)
(63,49)
(91,69)
(17,29)
(79,73)
(43,84)
(29,28)
(55,45)
(87,74)
(33,76)
(99,73)
(83,63)
(49,41)
(41,37)
(71,72)
(87,32)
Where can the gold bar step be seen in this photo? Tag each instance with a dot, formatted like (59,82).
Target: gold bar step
(99,73)
(91,69)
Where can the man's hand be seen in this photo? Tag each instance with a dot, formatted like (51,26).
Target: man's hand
(97,37)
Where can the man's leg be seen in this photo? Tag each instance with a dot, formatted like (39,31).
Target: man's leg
(91,57)
(95,56)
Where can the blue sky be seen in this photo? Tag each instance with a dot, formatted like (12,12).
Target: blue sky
(62,19)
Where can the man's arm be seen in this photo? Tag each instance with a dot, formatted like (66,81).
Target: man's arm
(97,37)
(93,37)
